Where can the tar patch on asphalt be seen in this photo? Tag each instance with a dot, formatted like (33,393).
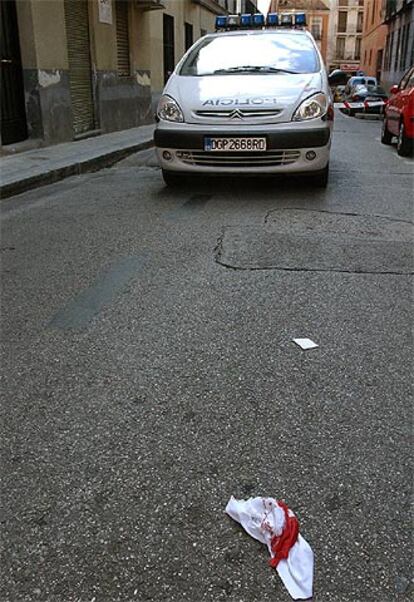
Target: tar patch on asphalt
(80,310)
(302,240)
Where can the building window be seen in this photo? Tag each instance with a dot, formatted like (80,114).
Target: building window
(360,21)
(390,49)
(342,21)
(316,27)
(357,49)
(397,50)
(409,57)
(379,64)
(404,47)
(168,46)
(387,52)
(188,35)
(340,48)
(122,38)
(373,12)
(343,2)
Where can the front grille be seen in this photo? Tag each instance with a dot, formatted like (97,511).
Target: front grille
(223,159)
(239,114)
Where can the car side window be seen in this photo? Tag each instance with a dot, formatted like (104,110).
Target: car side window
(410,83)
(405,79)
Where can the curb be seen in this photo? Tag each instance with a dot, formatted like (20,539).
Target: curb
(75,169)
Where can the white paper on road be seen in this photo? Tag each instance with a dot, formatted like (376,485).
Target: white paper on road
(305,343)
(262,518)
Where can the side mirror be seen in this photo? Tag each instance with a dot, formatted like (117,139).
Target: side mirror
(394,89)
(337,78)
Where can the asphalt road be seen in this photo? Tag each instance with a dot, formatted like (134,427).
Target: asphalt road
(149,374)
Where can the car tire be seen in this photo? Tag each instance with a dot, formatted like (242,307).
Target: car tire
(386,136)
(404,144)
(172,179)
(320,179)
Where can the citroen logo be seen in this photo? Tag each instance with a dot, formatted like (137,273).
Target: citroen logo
(236,114)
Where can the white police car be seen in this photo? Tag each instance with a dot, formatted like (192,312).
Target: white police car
(248,101)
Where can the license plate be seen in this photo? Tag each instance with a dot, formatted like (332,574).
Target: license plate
(235,144)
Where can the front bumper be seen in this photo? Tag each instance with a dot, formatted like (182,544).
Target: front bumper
(181,148)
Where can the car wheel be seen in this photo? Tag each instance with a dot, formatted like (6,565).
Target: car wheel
(172,179)
(320,179)
(386,136)
(404,144)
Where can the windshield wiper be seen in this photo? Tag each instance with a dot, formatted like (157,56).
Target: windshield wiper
(253,69)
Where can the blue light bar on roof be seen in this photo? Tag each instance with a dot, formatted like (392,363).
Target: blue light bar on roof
(258,20)
(221,22)
(300,19)
(286,20)
(246,20)
(273,19)
(233,21)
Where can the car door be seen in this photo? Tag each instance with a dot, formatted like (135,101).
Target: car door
(397,103)
(407,101)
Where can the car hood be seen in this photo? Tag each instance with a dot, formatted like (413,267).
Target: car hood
(250,98)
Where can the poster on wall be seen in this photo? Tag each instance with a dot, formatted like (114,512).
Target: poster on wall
(105,11)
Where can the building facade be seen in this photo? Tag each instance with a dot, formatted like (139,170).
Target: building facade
(345,35)
(374,37)
(76,68)
(399,46)
(317,18)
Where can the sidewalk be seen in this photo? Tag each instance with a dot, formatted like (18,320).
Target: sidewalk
(30,169)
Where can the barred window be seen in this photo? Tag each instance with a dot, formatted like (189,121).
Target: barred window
(358,48)
(360,21)
(340,48)
(316,27)
(342,21)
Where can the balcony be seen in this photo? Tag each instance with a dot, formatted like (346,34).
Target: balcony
(212,5)
(150,4)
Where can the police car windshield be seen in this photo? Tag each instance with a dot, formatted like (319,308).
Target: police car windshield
(252,53)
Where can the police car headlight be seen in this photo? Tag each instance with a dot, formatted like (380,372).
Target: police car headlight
(169,110)
(315,106)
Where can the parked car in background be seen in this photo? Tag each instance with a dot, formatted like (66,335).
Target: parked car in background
(399,115)
(362,93)
(359,80)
